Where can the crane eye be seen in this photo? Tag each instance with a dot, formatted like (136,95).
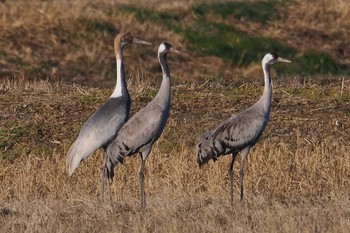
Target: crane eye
(128,37)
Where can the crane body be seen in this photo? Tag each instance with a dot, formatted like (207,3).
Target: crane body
(140,133)
(239,133)
(103,125)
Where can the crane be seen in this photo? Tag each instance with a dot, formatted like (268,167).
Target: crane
(241,132)
(143,129)
(103,125)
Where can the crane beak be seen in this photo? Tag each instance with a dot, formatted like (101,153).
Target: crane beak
(174,50)
(281,59)
(138,41)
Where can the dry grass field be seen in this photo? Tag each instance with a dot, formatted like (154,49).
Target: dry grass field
(57,67)
(297,177)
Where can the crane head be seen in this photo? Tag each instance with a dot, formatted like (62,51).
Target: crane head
(165,47)
(126,38)
(272,58)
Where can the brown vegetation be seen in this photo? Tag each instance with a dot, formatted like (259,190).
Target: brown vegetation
(297,177)
(72,41)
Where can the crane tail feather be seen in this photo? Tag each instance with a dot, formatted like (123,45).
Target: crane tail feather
(113,157)
(71,160)
(206,149)
(76,153)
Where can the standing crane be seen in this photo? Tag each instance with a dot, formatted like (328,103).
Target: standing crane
(142,130)
(103,125)
(242,131)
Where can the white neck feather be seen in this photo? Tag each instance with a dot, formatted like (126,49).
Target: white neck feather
(267,94)
(118,90)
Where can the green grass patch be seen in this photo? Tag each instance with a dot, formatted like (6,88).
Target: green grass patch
(168,147)
(15,132)
(253,11)
(347,112)
(9,137)
(17,138)
(309,63)
(230,44)
(167,20)
(188,96)
(96,26)
(16,61)
(2,54)
(314,94)
(222,40)
(91,98)
(318,63)
(148,96)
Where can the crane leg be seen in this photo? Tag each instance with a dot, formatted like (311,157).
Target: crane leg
(230,173)
(241,171)
(103,180)
(102,183)
(109,191)
(142,183)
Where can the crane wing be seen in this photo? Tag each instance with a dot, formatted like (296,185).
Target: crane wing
(143,128)
(97,131)
(240,130)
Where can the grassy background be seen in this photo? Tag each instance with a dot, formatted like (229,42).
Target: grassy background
(73,41)
(57,67)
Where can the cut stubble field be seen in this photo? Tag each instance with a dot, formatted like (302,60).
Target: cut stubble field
(296,177)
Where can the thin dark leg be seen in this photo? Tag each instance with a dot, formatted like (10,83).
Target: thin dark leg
(103,175)
(142,178)
(241,175)
(109,192)
(241,171)
(103,180)
(230,173)
(102,183)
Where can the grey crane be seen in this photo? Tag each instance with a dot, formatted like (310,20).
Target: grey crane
(142,130)
(103,125)
(241,132)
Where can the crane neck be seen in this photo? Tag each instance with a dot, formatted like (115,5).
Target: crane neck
(267,94)
(165,88)
(120,87)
